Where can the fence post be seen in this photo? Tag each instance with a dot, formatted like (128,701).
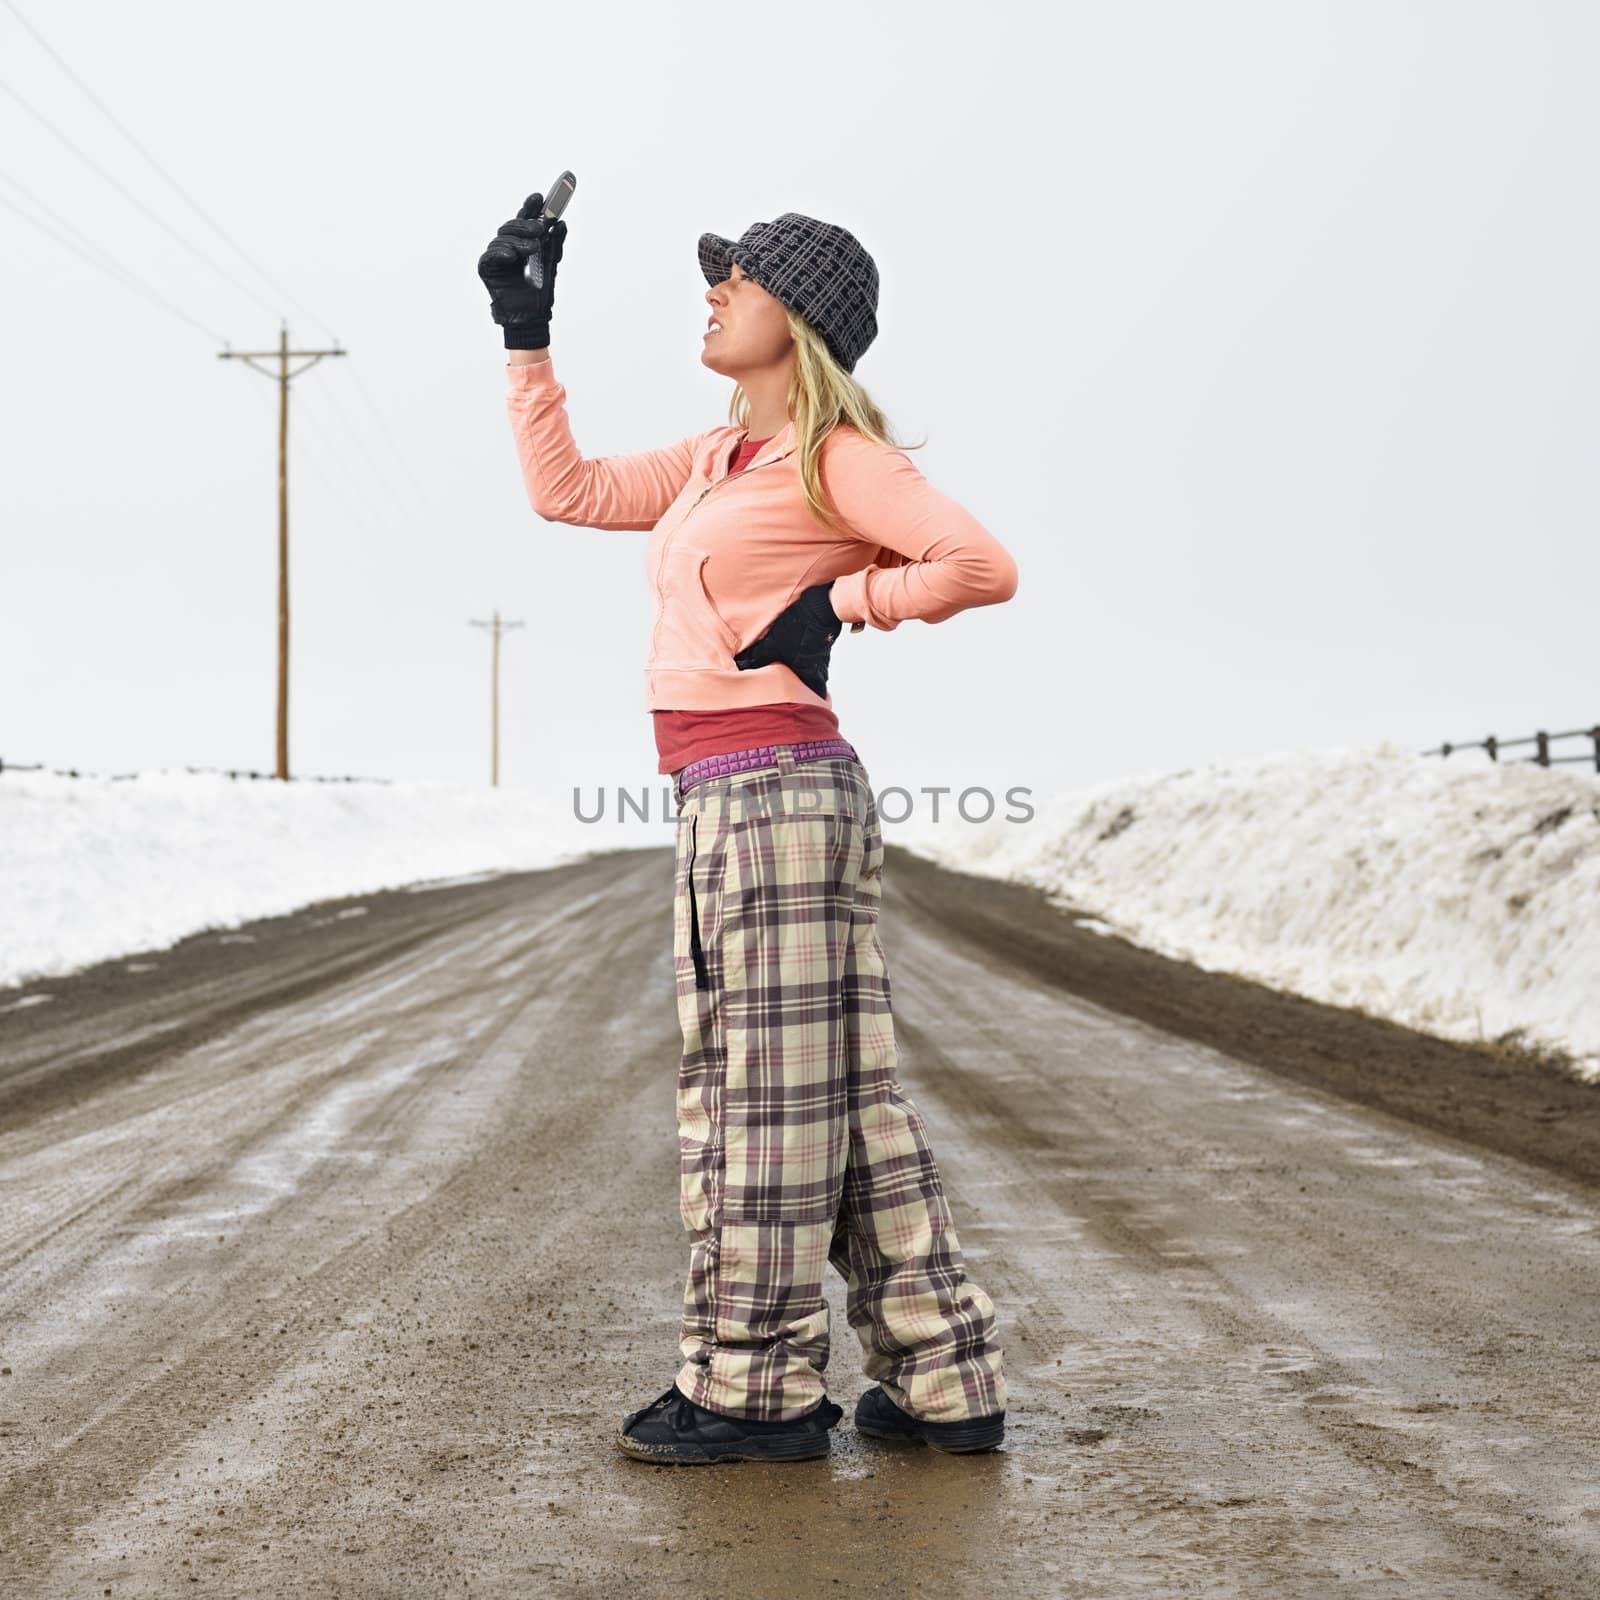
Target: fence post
(1542,740)
(1492,745)
(1594,733)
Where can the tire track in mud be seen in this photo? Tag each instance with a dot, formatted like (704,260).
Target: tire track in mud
(38,1074)
(271,1045)
(123,1440)
(115,1438)
(1495,1098)
(1098,1153)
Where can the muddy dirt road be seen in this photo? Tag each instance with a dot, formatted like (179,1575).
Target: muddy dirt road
(332,1250)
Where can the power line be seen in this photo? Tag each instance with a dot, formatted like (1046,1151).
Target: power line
(134,200)
(80,245)
(385,478)
(356,514)
(97,257)
(111,264)
(188,199)
(335,472)
(382,494)
(216,227)
(394,444)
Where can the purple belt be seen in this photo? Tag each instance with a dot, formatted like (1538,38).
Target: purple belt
(761,755)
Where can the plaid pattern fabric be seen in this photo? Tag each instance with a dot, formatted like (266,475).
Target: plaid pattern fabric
(818,270)
(798,1146)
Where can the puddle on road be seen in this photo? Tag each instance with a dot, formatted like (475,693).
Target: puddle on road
(26,1001)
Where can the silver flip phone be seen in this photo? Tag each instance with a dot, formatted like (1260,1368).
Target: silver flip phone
(555,202)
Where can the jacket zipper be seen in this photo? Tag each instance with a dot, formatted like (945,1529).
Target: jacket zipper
(661,565)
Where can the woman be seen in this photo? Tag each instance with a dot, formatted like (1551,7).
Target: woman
(798,1145)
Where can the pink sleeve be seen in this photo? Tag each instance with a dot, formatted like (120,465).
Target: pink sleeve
(607,492)
(949,560)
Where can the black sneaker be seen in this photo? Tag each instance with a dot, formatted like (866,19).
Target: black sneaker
(880,1418)
(672,1428)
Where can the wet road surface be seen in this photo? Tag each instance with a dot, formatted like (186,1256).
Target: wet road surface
(333,1248)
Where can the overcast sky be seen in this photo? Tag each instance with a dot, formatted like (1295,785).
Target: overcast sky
(1262,335)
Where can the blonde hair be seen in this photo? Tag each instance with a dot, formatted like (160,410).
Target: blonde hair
(822,397)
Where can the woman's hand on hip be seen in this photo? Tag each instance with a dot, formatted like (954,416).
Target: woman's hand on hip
(801,637)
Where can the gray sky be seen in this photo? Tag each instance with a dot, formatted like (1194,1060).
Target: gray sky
(1262,335)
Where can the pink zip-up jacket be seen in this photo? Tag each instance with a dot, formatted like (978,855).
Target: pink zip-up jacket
(727,554)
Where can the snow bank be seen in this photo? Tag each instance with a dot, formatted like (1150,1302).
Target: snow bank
(1459,898)
(92,868)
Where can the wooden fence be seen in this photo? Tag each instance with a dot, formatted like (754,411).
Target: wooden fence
(1541,742)
(122,777)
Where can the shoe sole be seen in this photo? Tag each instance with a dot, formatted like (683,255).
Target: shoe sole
(810,1449)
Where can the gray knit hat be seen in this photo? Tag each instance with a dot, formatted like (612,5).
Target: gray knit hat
(818,270)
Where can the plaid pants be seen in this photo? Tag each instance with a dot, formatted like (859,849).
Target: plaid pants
(797,1144)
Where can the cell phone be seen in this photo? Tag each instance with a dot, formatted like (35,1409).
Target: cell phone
(555,202)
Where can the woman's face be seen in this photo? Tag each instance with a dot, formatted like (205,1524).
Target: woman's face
(751,328)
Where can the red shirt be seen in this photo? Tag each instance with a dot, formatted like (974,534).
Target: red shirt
(685,736)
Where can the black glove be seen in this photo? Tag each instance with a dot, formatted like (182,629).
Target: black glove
(801,637)
(522,311)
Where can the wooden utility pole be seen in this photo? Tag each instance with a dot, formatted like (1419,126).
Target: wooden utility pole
(282,377)
(498,627)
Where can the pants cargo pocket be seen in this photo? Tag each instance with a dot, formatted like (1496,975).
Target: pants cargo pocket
(697,952)
(688,946)
(701,1068)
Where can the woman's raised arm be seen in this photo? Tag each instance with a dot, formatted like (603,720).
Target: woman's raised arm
(631,491)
